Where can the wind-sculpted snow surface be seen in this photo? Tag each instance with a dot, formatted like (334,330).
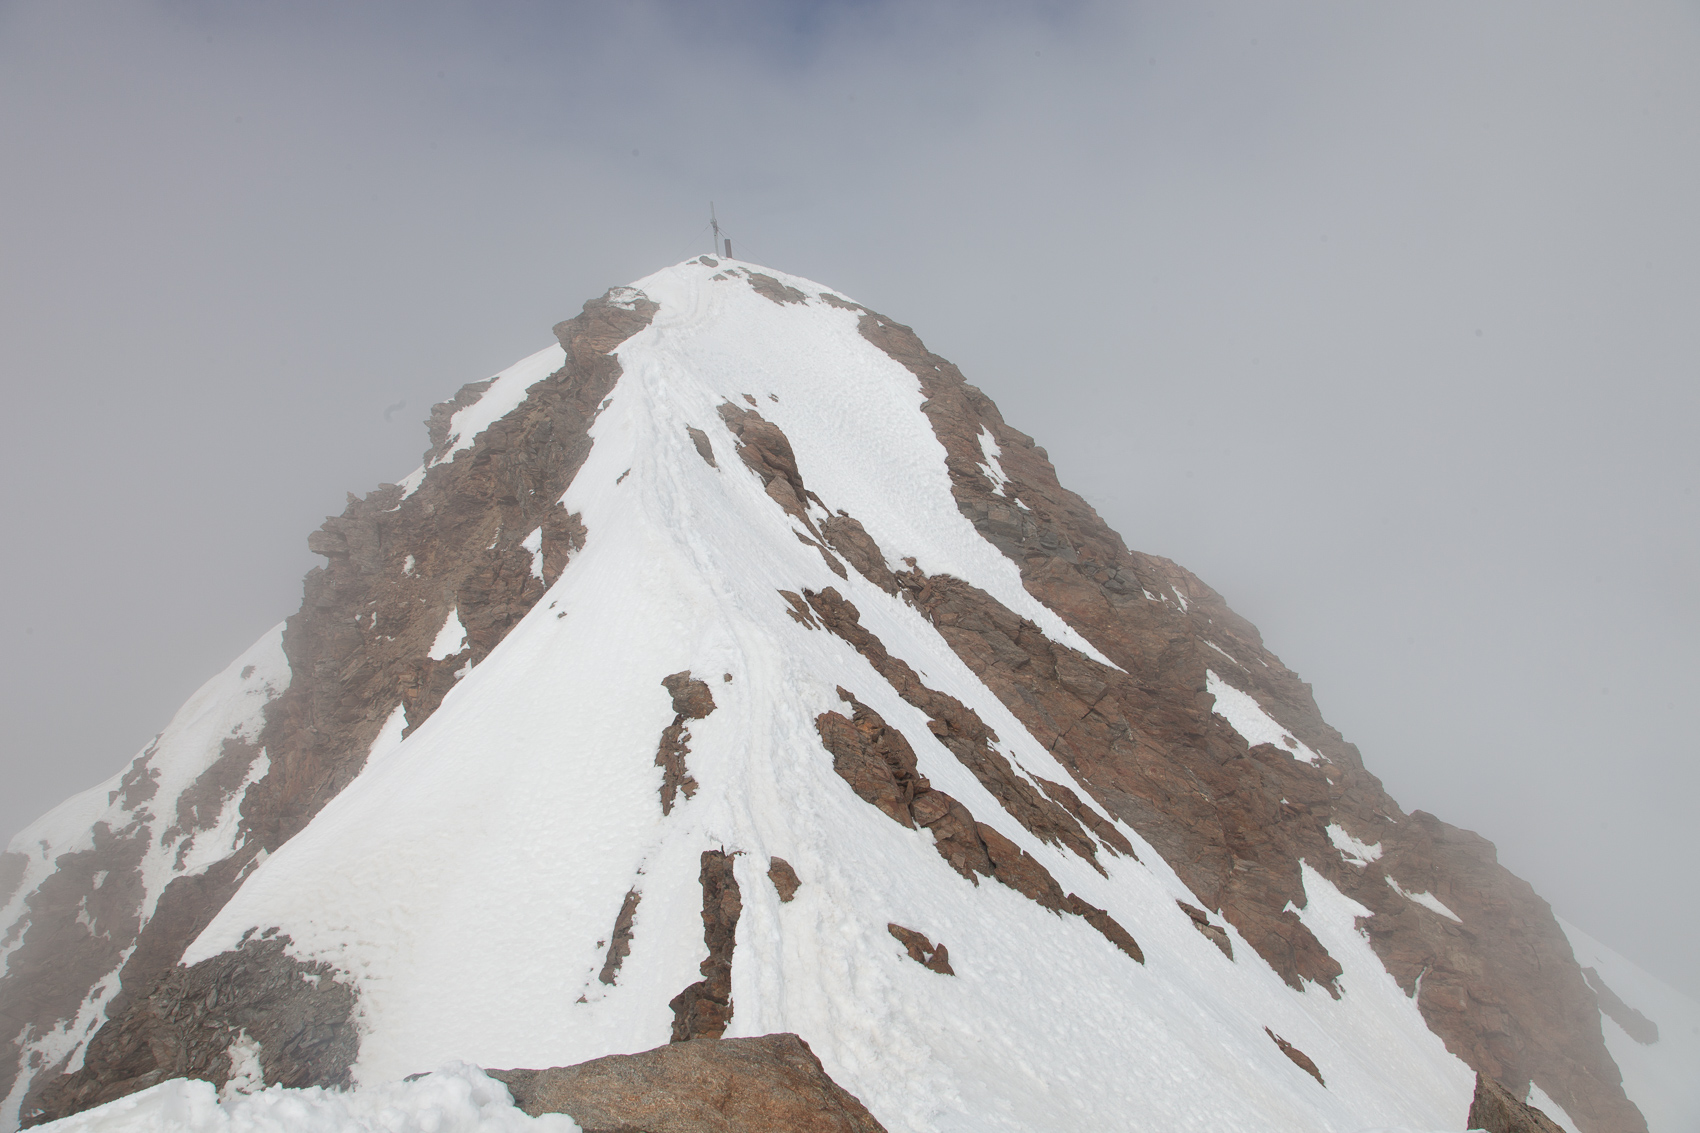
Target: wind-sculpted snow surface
(804,610)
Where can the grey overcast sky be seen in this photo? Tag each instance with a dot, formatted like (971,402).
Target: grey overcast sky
(1382,318)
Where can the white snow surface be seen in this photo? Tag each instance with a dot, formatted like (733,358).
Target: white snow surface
(1427,900)
(991,450)
(533,544)
(230,706)
(455,1099)
(451,639)
(1354,851)
(1661,1077)
(1539,1098)
(1248,718)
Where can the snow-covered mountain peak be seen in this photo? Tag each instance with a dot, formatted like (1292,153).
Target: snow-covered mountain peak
(731,667)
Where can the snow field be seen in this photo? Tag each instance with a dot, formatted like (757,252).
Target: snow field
(455,1099)
(469,879)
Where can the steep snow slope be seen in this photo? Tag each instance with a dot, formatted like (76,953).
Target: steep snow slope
(470,879)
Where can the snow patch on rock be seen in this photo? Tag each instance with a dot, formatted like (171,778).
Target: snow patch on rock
(451,639)
(1356,852)
(1248,718)
(1427,900)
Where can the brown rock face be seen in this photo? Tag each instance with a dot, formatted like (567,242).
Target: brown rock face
(784,879)
(620,940)
(692,700)
(771,1084)
(1299,1057)
(877,762)
(396,567)
(703,1009)
(933,957)
(960,729)
(1213,933)
(1498,1110)
(298,1014)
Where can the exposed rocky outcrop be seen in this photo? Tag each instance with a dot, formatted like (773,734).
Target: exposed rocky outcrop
(692,700)
(703,1009)
(784,879)
(960,729)
(879,764)
(397,564)
(700,441)
(771,1084)
(1636,1025)
(1497,1110)
(1105,924)
(299,1015)
(766,450)
(1215,934)
(1299,1057)
(620,940)
(771,288)
(933,957)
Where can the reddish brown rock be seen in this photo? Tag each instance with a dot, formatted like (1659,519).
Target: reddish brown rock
(704,449)
(850,539)
(784,879)
(1019,870)
(1497,1110)
(1105,924)
(1299,1057)
(63,955)
(771,1084)
(1216,934)
(877,762)
(705,1008)
(959,728)
(874,758)
(933,957)
(767,452)
(692,700)
(620,940)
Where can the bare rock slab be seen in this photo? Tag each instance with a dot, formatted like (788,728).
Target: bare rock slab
(771,1084)
(1498,1110)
